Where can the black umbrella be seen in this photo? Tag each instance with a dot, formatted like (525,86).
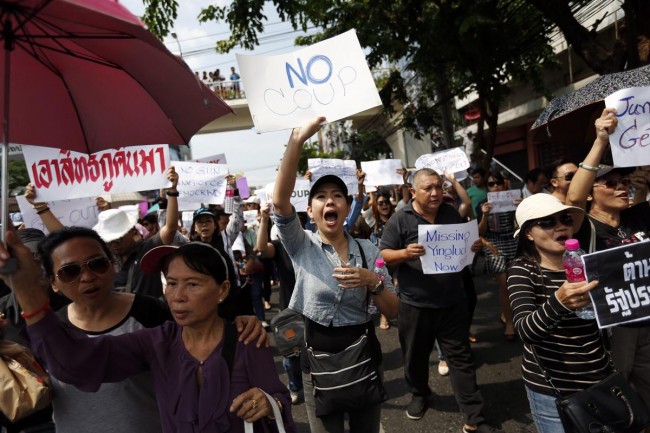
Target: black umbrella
(570,118)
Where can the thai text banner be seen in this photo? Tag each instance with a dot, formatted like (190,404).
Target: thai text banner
(330,78)
(630,139)
(63,174)
(504,201)
(447,246)
(623,291)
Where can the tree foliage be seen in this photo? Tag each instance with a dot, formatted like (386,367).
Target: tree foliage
(17,175)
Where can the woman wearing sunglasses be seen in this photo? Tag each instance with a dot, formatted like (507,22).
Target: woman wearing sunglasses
(543,304)
(613,222)
(199,387)
(498,229)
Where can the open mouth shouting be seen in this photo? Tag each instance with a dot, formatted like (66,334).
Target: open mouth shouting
(330,217)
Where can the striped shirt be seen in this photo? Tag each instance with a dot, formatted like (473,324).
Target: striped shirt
(569,348)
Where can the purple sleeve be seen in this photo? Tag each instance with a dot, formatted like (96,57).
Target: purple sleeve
(255,367)
(74,358)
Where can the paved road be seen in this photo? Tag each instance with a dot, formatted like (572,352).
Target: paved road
(498,375)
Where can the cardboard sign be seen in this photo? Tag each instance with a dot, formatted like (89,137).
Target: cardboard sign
(630,139)
(447,246)
(344,168)
(382,172)
(330,78)
(80,212)
(62,174)
(446,161)
(200,183)
(623,291)
(503,201)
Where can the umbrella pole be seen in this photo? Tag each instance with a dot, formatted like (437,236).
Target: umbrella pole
(11,264)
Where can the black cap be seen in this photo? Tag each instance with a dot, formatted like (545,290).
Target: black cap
(329,178)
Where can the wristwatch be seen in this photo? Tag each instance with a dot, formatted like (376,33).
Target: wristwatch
(378,288)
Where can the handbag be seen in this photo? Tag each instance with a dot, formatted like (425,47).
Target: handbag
(24,384)
(289,331)
(609,406)
(347,380)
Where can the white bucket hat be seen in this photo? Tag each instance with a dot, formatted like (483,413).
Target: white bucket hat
(113,224)
(539,206)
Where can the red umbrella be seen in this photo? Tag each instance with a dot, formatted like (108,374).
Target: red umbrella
(85,75)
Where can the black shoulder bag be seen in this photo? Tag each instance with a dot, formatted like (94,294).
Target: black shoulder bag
(348,380)
(609,406)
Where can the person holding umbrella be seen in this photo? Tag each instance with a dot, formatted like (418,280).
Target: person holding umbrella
(612,222)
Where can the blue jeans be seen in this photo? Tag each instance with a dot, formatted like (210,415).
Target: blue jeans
(544,411)
(294,372)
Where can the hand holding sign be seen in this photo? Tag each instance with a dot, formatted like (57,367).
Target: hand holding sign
(629,140)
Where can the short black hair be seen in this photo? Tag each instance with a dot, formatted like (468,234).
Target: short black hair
(552,171)
(201,258)
(54,239)
(533,175)
(479,170)
(151,218)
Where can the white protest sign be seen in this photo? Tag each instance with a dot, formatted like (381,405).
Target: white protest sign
(330,78)
(344,168)
(447,246)
(80,212)
(63,174)
(382,172)
(250,217)
(187,217)
(214,159)
(503,201)
(262,194)
(630,139)
(446,161)
(300,195)
(200,183)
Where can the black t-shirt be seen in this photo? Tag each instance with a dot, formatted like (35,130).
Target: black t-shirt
(634,227)
(285,272)
(415,287)
(144,283)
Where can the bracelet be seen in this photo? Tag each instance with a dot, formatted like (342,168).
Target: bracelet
(39,206)
(588,167)
(272,416)
(43,210)
(45,308)
(170,193)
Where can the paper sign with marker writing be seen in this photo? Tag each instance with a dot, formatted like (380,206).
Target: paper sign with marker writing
(630,139)
(299,196)
(447,246)
(503,201)
(382,172)
(214,159)
(451,161)
(200,183)
(80,212)
(344,168)
(250,217)
(330,78)
(63,174)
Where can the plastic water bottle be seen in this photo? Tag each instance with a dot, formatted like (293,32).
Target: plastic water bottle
(380,271)
(575,272)
(230,198)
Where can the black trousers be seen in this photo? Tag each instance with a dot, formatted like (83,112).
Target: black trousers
(418,330)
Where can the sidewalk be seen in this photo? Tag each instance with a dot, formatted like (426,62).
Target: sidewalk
(498,376)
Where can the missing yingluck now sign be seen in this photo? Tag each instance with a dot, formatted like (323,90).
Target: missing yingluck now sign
(623,291)
(631,138)
(330,78)
(447,246)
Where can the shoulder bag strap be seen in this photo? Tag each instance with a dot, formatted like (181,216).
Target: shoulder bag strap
(364,263)
(229,345)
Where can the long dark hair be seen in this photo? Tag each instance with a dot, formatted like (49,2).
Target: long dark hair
(525,247)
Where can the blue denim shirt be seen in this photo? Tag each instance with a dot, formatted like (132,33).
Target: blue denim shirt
(317,294)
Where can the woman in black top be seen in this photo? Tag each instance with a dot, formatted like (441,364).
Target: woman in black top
(543,303)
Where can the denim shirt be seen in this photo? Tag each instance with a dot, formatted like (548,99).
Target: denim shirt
(317,294)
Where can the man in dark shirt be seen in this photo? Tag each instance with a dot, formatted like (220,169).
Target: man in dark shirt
(432,307)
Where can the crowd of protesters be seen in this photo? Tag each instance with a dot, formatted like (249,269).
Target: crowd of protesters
(170,312)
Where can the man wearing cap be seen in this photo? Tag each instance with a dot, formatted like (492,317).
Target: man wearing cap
(432,306)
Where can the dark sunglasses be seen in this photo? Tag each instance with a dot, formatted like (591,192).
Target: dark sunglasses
(614,183)
(70,272)
(495,183)
(568,177)
(383,203)
(552,221)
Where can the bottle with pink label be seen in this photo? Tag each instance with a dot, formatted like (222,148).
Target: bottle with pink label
(575,272)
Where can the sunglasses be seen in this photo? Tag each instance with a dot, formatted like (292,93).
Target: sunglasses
(552,221)
(383,203)
(495,183)
(614,183)
(568,177)
(69,273)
